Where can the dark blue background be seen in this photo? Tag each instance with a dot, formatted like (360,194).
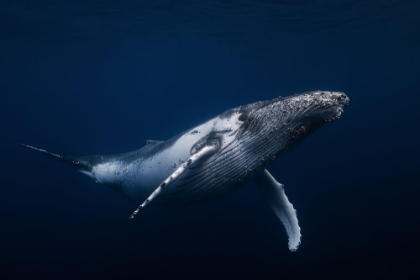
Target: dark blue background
(101,77)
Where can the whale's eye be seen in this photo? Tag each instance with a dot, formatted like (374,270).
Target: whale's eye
(243,117)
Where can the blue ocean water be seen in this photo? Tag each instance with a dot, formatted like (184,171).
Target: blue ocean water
(101,77)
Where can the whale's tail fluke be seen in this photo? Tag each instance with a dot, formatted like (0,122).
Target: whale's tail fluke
(79,163)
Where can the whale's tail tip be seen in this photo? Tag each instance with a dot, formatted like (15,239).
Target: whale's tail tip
(80,164)
(45,152)
(30,147)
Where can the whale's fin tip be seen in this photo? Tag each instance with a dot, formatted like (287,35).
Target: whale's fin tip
(76,162)
(203,152)
(274,193)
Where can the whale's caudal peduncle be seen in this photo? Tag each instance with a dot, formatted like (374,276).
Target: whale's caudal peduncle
(213,158)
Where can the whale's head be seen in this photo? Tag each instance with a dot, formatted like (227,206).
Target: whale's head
(254,135)
(273,126)
(299,115)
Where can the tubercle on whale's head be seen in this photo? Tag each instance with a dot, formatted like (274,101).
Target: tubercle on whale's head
(292,118)
(318,106)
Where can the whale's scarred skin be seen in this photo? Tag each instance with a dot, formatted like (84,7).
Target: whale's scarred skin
(215,157)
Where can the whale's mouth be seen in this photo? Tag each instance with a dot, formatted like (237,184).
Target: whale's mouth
(318,106)
(311,110)
(340,97)
(334,103)
(299,114)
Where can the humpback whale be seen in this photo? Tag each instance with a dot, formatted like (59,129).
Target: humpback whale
(215,157)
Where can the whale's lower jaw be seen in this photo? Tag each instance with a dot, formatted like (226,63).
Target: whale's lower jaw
(224,172)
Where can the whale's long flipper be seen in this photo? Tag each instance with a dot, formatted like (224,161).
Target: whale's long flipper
(205,151)
(274,193)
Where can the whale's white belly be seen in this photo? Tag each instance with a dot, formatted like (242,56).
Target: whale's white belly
(138,178)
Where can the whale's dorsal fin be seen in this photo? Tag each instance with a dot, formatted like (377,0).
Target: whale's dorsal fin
(274,194)
(203,152)
(153,142)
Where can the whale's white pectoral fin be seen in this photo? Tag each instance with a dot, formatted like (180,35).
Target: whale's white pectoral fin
(205,151)
(274,193)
